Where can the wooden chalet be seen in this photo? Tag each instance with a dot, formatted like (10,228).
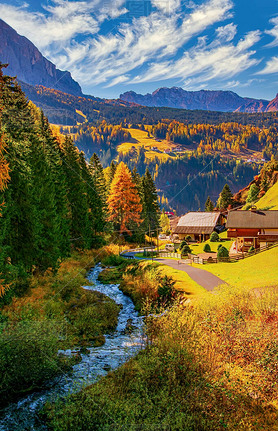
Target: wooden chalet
(198,225)
(252,228)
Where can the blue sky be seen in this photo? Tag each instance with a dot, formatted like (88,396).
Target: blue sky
(113,46)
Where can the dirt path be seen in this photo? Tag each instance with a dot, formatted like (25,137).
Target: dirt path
(200,276)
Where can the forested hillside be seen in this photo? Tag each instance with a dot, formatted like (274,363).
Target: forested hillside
(52,200)
(60,108)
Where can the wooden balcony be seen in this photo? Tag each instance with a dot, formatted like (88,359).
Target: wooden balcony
(268,237)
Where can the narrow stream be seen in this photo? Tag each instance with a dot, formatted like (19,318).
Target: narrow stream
(119,347)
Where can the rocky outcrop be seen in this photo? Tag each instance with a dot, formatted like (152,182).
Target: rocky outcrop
(27,63)
(175,97)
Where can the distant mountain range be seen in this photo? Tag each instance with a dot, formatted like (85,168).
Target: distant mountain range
(28,64)
(224,101)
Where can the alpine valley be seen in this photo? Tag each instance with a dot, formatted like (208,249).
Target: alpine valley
(191,142)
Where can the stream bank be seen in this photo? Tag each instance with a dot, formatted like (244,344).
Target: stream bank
(119,347)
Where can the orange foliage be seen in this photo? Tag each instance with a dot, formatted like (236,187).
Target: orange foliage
(124,203)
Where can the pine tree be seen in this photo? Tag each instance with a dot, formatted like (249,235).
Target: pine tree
(209,207)
(124,201)
(76,191)
(97,172)
(225,198)
(94,202)
(151,210)
(253,193)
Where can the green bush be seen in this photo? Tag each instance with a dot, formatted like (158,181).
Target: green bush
(166,290)
(188,238)
(185,250)
(183,243)
(219,246)
(28,355)
(114,260)
(214,237)
(207,248)
(222,252)
(251,249)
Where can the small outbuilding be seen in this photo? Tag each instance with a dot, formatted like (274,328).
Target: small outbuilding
(252,228)
(199,225)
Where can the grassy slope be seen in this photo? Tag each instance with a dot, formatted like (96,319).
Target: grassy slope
(141,139)
(198,248)
(270,199)
(256,271)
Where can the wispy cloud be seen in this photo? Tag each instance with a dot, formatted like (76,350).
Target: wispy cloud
(147,48)
(206,62)
(273,32)
(271,67)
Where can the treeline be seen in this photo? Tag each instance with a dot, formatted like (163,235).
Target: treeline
(61,109)
(50,202)
(232,137)
(98,139)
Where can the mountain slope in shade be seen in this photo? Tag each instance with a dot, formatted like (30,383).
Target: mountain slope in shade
(175,97)
(28,64)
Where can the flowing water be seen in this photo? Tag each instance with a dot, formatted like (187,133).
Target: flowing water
(119,347)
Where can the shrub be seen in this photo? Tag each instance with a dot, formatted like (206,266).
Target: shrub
(219,246)
(188,238)
(28,355)
(113,260)
(214,237)
(251,249)
(166,289)
(185,250)
(222,252)
(207,248)
(183,243)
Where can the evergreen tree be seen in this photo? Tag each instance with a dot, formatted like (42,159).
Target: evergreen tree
(94,202)
(97,172)
(209,207)
(253,193)
(76,190)
(151,210)
(225,198)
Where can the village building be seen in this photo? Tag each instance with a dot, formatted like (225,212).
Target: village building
(199,225)
(252,228)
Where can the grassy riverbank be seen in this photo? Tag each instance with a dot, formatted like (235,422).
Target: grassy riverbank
(210,364)
(55,313)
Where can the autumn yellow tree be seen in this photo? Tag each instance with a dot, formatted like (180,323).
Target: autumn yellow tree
(124,203)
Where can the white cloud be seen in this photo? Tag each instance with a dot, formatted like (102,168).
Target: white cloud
(226,33)
(271,67)
(153,37)
(63,20)
(167,6)
(148,44)
(206,62)
(274,31)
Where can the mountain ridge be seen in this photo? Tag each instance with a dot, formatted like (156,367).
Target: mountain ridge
(27,63)
(213,100)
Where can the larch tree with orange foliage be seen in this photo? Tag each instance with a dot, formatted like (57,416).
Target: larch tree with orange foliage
(124,203)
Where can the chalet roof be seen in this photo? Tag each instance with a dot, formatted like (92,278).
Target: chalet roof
(197,223)
(252,220)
